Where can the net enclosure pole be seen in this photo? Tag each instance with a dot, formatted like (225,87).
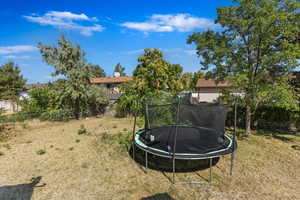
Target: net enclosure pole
(147,126)
(210,172)
(133,135)
(233,138)
(175,138)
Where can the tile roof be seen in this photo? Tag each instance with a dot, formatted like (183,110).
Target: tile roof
(204,83)
(120,79)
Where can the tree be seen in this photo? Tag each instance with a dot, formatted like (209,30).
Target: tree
(72,91)
(152,78)
(120,69)
(254,48)
(11,81)
(96,71)
(190,79)
(155,73)
(39,100)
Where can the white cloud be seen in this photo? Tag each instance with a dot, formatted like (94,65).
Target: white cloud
(66,20)
(16,49)
(170,23)
(16,57)
(131,52)
(191,52)
(168,51)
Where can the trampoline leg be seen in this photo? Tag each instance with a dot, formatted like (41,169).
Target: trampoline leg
(133,151)
(173,170)
(146,160)
(210,164)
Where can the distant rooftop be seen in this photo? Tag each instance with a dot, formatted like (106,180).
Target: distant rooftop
(120,79)
(211,83)
(34,85)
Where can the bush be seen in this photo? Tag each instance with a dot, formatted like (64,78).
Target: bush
(123,140)
(39,101)
(82,130)
(57,115)
(20,117)
(265,117)
(41,152)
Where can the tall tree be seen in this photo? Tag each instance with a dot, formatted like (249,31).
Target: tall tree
(119,68)
(154,72)
(11,81)
(96,71)
(152,75)
(72,91)
(254,47)
(190,79)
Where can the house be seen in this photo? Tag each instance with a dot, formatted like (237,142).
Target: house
(210,91)
(12,106)
(111,83)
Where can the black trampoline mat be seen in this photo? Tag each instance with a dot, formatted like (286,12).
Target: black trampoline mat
(189,139)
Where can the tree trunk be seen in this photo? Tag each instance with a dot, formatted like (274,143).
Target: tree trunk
(77,109)
(248,120)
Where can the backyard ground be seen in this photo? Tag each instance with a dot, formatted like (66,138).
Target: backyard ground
(87,159)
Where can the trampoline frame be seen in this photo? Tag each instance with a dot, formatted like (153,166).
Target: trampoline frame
(182,158)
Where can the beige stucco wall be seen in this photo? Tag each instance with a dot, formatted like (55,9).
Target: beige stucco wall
(9,105)
(210,94)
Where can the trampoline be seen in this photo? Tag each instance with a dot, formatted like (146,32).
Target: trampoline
(183,130)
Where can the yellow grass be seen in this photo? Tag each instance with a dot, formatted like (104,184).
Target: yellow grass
(90,166)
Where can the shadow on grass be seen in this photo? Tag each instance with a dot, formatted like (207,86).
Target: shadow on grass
(21,191)
(166,164)
(161,196)
(277,134)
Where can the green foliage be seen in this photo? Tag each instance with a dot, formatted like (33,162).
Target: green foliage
(119,68)
(155,73)
(41,152)
(11,81)
(82,130)
(57,115)
(97,99)
(96,71)
(74,90)
(189,80)
(20,117)
(140,122)
(39,101)
(255,47)
(122,140)
(152,76)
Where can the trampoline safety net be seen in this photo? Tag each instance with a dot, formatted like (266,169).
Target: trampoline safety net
(206,115)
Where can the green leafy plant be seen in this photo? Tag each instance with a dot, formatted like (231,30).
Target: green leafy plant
(258,45)
(82,130)
(57,115)
(41,152)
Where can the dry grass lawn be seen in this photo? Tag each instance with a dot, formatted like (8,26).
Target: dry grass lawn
(96,166)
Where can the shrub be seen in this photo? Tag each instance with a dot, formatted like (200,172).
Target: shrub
(20,117)
(41,152)
(82,130)
(57,115)
(265,117)
(123,140)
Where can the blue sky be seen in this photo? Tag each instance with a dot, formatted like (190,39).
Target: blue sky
(108,31)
